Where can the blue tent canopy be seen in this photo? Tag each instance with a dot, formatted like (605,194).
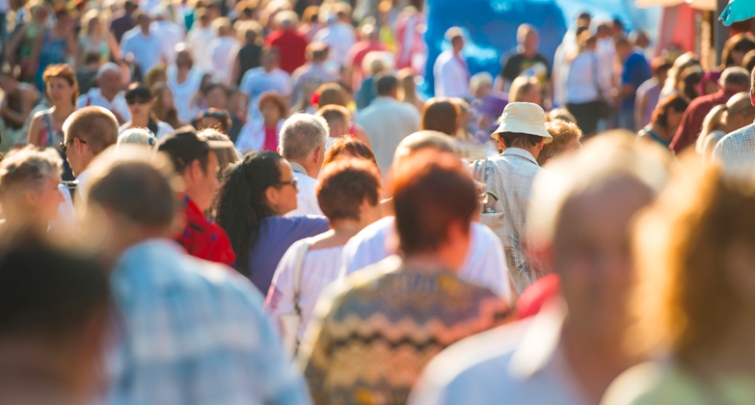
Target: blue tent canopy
(738,10)
(491,26)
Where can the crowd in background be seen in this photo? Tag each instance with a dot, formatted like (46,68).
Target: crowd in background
(254,202)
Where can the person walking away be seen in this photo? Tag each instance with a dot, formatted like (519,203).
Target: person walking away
(451,70)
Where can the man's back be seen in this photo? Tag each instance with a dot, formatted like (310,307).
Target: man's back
(387,122)
(375,333)
(194,333)
(736,151)
(292,46)
(692,120)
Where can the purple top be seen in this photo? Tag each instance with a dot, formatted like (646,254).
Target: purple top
(276,235)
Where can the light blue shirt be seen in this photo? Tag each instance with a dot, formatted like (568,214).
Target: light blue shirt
(193,332)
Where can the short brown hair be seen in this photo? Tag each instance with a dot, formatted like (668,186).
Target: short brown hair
(563,133)
(335,113)
(431,193)
(62,71)
(276,99)
(94,125)
(345,185)
(348,145)
(440,115)
(330,94)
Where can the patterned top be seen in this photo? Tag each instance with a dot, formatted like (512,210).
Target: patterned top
(191,333)
(373,334)
(736,151)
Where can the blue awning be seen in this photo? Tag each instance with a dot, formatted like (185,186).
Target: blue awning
(738,10)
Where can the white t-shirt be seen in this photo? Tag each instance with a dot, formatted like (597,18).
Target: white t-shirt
(340,37)
(221,50)
(485,263)
(581,81)
(199,42)
(148,51)
(183,93)
(95,98)
(320,268)
(451,76)
(306,199)
(170,34)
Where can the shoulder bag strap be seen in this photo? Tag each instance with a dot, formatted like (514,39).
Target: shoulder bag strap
(301,254)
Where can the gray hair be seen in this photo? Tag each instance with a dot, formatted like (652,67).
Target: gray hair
(28,169)
(108,67)
(735,75)
(423,140)
(139,136)
(301,134)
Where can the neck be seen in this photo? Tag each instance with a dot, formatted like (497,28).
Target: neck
(63,110)
(109,95)
(595,359)
(428,262)
(307,170)
(139,122)
(33,369)
(660,131)
(734,354)
(271,123)
(128,236)
(145,32)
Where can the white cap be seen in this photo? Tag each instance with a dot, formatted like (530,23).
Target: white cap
(524,118)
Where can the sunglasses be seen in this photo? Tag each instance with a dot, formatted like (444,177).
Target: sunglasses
(214,114)
(64,144)
(293,183)
(137,100)
(138,95)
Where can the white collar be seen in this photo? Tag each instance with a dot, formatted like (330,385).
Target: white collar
(521,153)
(540,343)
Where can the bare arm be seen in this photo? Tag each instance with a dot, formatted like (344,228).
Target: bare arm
(34,128)
(236,71)
(362,135)
(639,111)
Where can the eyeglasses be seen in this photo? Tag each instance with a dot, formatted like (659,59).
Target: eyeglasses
(293,183)
(64,144)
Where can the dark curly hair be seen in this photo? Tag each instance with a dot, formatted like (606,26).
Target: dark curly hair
(241,204)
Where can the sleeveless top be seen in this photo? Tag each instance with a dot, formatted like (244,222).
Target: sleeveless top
(50,137)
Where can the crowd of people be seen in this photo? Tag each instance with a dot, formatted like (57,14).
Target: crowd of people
(252,202)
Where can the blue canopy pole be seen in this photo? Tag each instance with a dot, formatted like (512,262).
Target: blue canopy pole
(737,10)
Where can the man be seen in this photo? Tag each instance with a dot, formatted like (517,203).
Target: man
(733,80)
(374,333)
(484,264)
(302,143)
(124,22)
(509,179)
(527,61)
(735,151)
(170,33)
(221,49)
(450,70)
(267,77)
(108,94)
(54,315)
(648,93)
(370,42)
(147,49)
(338,34)
(635,71)
(195,161)
(190,331)
(288,41)
(386,133)
(87,132)
(580,228)
(314,73)
(338,119)
(199,39)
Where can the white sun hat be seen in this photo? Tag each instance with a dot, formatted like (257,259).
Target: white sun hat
(525,118)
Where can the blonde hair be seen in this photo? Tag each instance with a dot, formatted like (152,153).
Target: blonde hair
(563,133)
(683,301)
(520,86)
(139,136)
(713,122)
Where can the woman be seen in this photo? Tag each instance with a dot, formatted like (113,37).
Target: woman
(140,101)
(96,39)
(29,193)
(665,121)
(158,74)
(526,90)
(737,113)
(227,155)
(440,115)
(46,127)
(165,108)
(583,91)
(57,45)
(250,205)
(212,118)
(184,81)
(334,94)
(673,81)
(689,83)
(349,195)
(693,300)
(263,134)
(408,89)
(22,45)
(735,50)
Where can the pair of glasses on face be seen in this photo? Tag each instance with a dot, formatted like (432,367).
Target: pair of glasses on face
(292,182)
(64,144)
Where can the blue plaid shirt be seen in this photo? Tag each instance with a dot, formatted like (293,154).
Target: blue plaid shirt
(194,333)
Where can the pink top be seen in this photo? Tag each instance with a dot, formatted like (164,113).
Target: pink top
(271,139)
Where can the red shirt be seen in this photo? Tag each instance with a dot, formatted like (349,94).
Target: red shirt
(271,140)
(692,120)
(537,294)
(292,47)
(205,239)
